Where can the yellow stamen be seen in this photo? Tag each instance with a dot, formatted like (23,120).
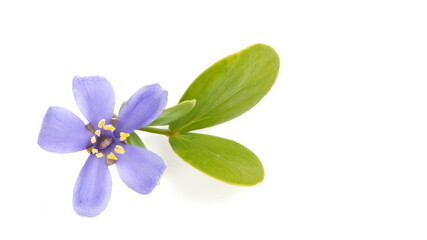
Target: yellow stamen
(98,155)
(123,136)
(94,150)
(98,133)
(109,127)
(101,123)
(119,149)
(93,139)
(112,156)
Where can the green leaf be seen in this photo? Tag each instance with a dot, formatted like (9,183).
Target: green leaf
(220,158)
(174,113)
(134,140)
(229,88)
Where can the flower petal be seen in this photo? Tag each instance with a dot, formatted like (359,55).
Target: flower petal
(139,168)
(92,190)
(142,108)
(63,132)
(95,98)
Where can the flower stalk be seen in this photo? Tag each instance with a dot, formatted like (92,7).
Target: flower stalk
(165,132)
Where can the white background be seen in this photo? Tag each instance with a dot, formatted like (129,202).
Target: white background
(342,134)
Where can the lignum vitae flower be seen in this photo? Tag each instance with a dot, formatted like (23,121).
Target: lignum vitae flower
(105,140)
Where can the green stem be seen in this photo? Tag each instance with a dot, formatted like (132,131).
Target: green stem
(165,132)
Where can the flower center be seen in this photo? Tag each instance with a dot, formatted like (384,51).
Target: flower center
(104,142)
(104,138)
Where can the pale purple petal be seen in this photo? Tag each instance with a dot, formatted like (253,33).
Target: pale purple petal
(139,168)
(95,98)
(92,190)
(142,108)
(63,132)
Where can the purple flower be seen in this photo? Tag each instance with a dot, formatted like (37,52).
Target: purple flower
(63,132)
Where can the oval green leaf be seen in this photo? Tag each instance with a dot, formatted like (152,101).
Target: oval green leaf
(174,113)
(229,88)
(220,158)
(135,140)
